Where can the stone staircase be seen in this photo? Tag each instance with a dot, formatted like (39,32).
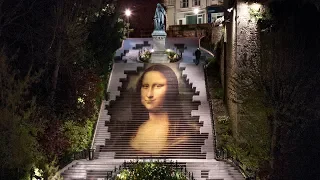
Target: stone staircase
(194,149)
(111,133)
(213,170)
(94,169)
(197,154)
(201,169)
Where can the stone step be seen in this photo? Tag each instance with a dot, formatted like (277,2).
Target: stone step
(197,155)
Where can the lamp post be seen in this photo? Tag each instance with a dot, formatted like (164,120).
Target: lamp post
(128,13)
(196,12)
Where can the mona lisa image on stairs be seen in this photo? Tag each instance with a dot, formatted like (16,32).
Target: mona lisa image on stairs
(152,116)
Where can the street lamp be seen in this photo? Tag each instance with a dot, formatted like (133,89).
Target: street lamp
(196,12)
(128,13)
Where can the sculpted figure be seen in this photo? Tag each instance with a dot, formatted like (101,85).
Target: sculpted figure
(159,23)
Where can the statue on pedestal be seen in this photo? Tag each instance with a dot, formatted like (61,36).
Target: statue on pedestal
(159,23)
(159,36)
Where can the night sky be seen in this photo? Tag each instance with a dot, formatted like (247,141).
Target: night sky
(142,14)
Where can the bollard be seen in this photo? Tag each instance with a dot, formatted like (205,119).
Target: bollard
(91,154)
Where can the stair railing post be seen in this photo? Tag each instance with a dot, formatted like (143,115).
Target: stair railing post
(91,153)
(88,153)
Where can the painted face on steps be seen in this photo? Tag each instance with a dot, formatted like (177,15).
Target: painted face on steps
(153,90)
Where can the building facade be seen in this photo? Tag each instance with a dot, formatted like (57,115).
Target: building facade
(183,12)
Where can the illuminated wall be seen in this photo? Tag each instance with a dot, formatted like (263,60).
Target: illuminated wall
(152,112)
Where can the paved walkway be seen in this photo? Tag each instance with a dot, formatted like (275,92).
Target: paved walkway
(130,47)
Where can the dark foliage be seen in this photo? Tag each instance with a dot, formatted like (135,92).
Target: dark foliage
(292,86)
(56,56)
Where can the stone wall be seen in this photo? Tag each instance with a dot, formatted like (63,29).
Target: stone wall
(216,34)
(191,30)
(242,44)
(186,33)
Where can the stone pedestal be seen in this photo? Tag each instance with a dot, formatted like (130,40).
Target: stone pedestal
(159,42)
(159,57)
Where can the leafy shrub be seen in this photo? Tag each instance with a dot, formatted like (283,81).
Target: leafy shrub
(173,57)
(78,135)
(145,56)
(151,170)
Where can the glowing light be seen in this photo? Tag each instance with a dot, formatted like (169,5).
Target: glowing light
(230,9)
(81,100)
(127,12)
(152,50)
(196,11)
(255,6)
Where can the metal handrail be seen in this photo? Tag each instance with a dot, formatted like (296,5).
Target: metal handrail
(204,49)
(84,154)
(211,112)
(224,155)
(102,107)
